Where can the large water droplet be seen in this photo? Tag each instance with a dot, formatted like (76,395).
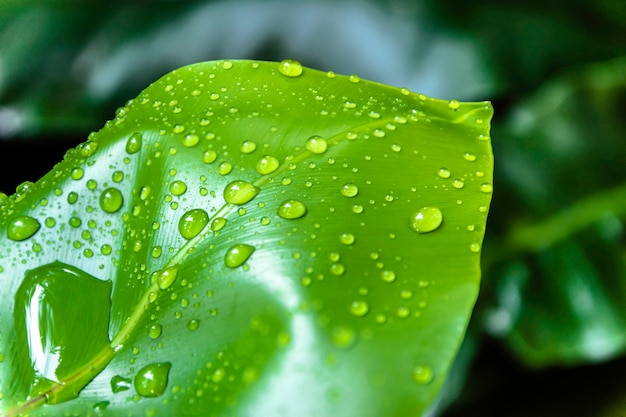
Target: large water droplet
(22,227)
(237,255)
(426,219)
(178,188)
(359,308)
(111,200)
(290,68)
(291,209)
(151,380)
(240,192)
(316,145)
(248,146)
(49,350)
(192,223)
(218,224)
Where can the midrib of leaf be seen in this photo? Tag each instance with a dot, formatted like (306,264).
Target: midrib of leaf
(87,372)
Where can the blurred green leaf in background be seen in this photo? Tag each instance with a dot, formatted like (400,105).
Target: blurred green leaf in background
(547,337)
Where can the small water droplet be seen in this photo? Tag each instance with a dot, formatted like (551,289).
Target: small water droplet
(422,374)
(151,380)
(155,331)
(218,224)
(291,209)
(119,384)
(111,200)
(343,336)
(267,164)
(247,146)
(290,68)
(443,172)
(470,157)
(178,188)
(22,227)
(77,173)
(193,324)
(224,168)
(134,142)
(486,187)
(359,308)
(240,192)
(426,219)
(209,156)
(454,104)
(166,277)
(237,255)
(475,247)
(316,144)
(347,238)
(458,183)
(192,223)
(349,190)
(388,276)
(337,269)
(191,140)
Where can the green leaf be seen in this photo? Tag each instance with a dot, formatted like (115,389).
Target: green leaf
(277,240)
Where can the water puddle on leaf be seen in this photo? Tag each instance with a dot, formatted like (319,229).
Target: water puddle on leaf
(61,319)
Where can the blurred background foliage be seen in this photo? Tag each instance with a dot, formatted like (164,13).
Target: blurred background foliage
(548,334)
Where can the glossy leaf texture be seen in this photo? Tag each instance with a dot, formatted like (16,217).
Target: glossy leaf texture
(263,239)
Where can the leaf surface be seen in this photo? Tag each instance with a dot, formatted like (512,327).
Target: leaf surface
(264,238)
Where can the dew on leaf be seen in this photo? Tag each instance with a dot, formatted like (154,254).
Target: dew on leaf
(166,277)
(22,227)
(191,140)
(193,324)
(155,330)
(240,192)
(343,336)
(248,146)
(77,173)
(225,168)
(359,308)
(454,104)
(134,142)
(458,183)
(267,164)
(237,255)
(151,380)
(422,374)
(470,157)
(111,200)
(218,224)
(426,219)
(178,188)
(347,238)
(388,276)
(291,209)
(316,144)
(119,384)
(192,222)
(443,173)
(209,156)
(337,269)
(349,190)
(290,68)
(486,187)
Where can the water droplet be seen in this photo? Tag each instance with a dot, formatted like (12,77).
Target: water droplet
(475,247)
(151,380)
(218,224)
(237,255)
(247,146)
(443,173)
(359,308)
(454,104)
(349,190)
(396,148)
(290,68)
(388,276)
(267,164)
(240,192)
(422,374)
(193,324)
(191,140)
(134,142)
(209,156)
(178,188)
(192,223)
(166,277)
(486,187)
(119,384)
(470,157)
(155,331)
(347,238)
(111,200)
(458,183)
(316,144)
(357,208)
(426,219)
(22,227)
(224,168)
(343,336)
(77,173)
(337,269)
(291,209)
